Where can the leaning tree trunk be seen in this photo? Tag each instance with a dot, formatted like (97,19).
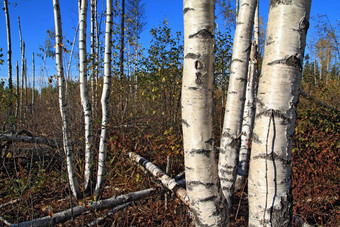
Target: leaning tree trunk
(105,97)
(9,56)
(62,101)
(249,108)
(84,94)
(270,179)
(197,100)
(230,140)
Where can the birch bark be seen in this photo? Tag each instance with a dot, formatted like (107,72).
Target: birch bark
(9,53)
(197,95)
(249,107)
(230,140)
(84,94)
(269,182)
(105,96)
(62,102)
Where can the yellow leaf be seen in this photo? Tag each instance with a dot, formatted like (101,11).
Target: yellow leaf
(9,155)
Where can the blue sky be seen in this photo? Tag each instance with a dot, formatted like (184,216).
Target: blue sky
(37,17)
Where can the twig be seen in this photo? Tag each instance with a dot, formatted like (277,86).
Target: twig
(9,203)
(4,220)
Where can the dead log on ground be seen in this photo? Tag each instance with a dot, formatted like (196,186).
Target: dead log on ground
(99,205)
(313,99)
(31,139)
(169,183)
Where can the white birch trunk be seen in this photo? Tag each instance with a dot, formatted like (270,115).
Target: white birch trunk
(93,56)
(270,179)
(230,140)
(62,101)
(197,99)
(84,95)
(249,108)
(105,97)
(22,81)
(9,54)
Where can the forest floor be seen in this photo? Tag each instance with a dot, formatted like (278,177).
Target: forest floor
(35,177)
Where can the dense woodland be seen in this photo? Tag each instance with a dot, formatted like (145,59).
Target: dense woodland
(142,89)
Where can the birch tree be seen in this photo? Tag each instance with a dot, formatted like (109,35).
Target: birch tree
(84,93)
(197,95)
(269,185)
(230,140)
(249,107)
(62,101)
(105,96)
(9,53)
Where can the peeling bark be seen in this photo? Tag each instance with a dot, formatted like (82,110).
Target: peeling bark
(105,97)
(62,101)
(206,200)
(269,182)
(231,133)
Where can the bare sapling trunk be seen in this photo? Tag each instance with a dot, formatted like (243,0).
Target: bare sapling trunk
(93,57)
(62,101)
(33,83)
(22,49)
(249,108)
(9,57)
(270,177)
(206,200)
(231,133)
(17,92)
(122,28)
(105,97)
(84,95)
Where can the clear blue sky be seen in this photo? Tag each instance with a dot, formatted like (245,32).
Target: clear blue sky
(37,17)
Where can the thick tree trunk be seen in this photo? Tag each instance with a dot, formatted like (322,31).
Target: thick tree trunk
(230,140)
(270,179)
(249,108)
(206,200)
(62,101)
(105,96)
(84,95)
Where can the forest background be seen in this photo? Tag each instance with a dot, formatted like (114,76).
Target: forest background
(145,108)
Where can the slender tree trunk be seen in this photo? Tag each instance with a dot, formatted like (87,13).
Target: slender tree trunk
(249,107)
(230,140)
(33,85)
(22,81)
(9,57)
(26,96)
(206,200)
(62,101)
(71,56)
(122,27)
(84,94)
(93,56)
(105,97)
(17,93)
(270,179)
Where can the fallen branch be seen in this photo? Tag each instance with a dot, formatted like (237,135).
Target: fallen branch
(169,183)
(9,203)
(78,210)
(311,98)
(108,214)
(31,139)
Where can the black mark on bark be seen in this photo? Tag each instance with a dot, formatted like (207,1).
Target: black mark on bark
(202,34)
